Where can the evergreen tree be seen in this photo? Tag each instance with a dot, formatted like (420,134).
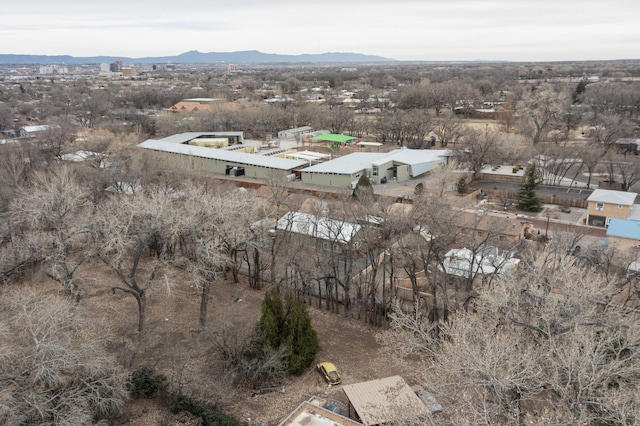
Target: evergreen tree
(288,324)
(462,186)
(363,190)
(527,198)
(302,343)
(273,320)
(580,89)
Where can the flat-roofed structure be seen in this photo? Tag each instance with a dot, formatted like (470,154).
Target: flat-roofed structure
(295,132)
(340,172)
(310,413)
(388,400)
(398,165)
(310,156)
(176,152)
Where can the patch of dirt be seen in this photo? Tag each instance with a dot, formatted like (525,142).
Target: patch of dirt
(173,346)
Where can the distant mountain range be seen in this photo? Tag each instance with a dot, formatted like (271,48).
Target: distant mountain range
(195,57)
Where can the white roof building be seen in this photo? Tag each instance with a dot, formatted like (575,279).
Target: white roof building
(30,131)
(613,197)
(323,228)
(397,165)
(467,264)
(177,144)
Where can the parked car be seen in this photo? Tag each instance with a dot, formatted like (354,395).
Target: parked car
(329,372)
(574,250)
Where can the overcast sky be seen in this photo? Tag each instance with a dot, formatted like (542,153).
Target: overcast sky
(423,30)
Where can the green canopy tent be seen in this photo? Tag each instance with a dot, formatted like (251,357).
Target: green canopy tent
(336,140)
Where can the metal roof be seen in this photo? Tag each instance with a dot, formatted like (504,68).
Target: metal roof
(187,136)
(385,400)
(612,197)
(348,164)
(465,263)
(38,128)
(420,160)
(177,144)
(319,227)
(624,228)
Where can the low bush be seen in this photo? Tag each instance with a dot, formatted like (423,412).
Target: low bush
(146,383)
(208,415)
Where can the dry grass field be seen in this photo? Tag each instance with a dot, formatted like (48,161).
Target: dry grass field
(172,345)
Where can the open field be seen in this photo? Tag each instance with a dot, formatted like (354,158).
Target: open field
(172,345)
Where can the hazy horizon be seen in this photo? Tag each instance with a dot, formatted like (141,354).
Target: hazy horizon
(409,30)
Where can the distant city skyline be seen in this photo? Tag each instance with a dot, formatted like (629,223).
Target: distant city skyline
(407,30)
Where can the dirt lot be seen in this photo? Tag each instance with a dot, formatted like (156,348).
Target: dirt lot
(172,345)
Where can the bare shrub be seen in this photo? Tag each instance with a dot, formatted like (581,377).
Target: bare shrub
(53,364)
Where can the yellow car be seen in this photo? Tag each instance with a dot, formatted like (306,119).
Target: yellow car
(329,372)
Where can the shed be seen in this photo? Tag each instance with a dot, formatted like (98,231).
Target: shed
(384,401)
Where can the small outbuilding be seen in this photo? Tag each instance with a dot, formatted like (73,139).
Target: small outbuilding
(388,400)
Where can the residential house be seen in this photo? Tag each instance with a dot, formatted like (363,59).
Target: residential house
(605,204)
(492,228)
(466,263)
(295,133)
(196,105)
(328,234)
(32,131)
(628,146)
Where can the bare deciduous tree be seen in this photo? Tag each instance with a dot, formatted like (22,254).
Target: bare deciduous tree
(54,367)
(540,110)
(135,234)
(55,214)
(478,148)
(545,344)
